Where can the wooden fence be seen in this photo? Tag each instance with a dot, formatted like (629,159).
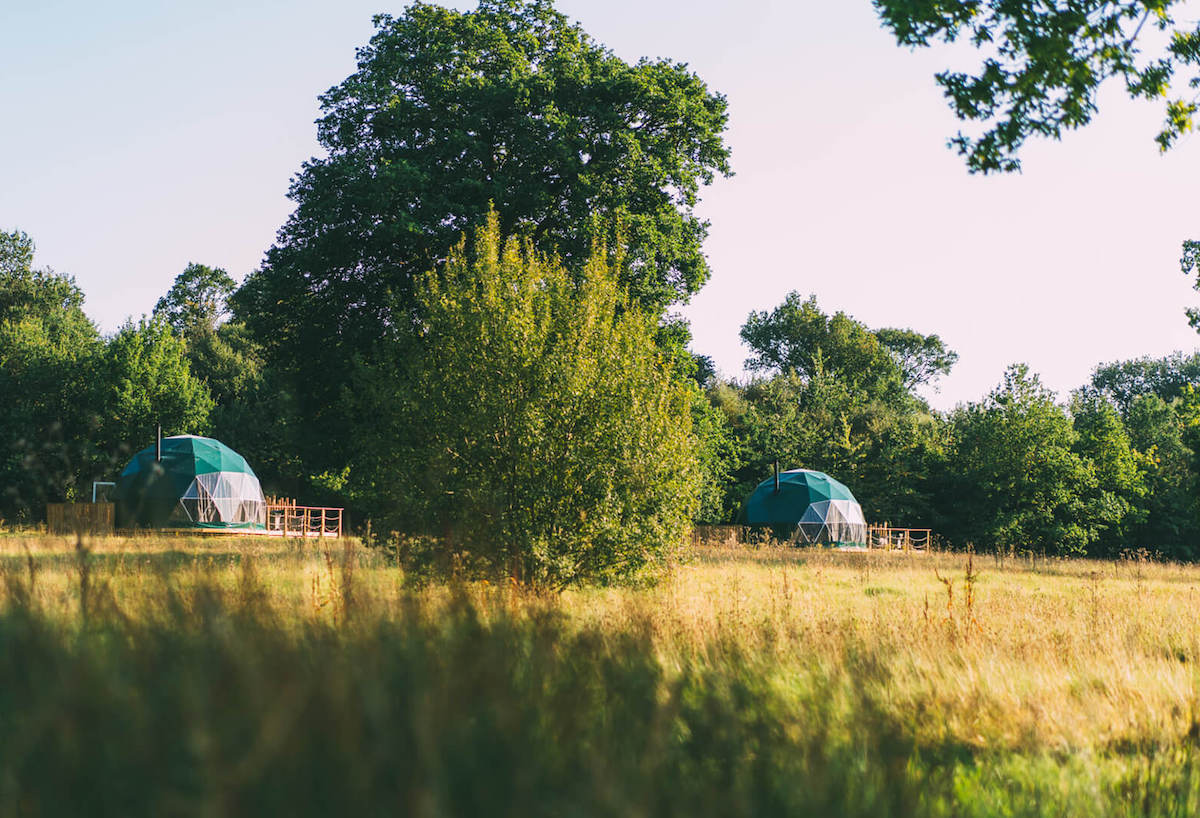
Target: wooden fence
(80,518)
(730,536)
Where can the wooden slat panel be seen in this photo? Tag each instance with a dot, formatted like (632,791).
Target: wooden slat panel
(82,518)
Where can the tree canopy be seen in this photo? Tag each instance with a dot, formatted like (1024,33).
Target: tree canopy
(922,358)
(147,381)
(1043,64)
(1190,263)
(48,351)
(1124,382)
(1013,472)
(197,300)
(797,336)
(447,114)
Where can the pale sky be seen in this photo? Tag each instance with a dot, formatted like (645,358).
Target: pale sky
(138,136)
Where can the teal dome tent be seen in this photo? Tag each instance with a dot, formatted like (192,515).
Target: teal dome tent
(199,483)
(823,509)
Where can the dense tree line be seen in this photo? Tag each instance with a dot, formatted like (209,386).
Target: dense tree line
(522,390)
(75,401)
(1113,468)
(526,397)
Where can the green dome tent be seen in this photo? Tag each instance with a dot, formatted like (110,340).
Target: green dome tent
(823,509)
(199,483)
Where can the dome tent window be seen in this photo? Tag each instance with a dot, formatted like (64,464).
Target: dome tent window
(197,482)
(836,521)
(822,510)
(223,497)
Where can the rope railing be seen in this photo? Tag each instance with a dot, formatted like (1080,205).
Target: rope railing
(904,539)
(879,536)
(286,519)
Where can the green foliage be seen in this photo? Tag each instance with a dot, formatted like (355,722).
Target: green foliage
(1044,63)
(704,370)
(716,454)
(797,337)
(229,361)
(48,355)
(1190,263)
(76,404)
(197,301)
(220,353)
(878,448)
(1013,477)
(1123,382)
(254,411)
(1168,521)
(16,259)
(1115,502)
(839,400)
(922,358)
(530,420)
(448,113)
(147,381)
(1154,398)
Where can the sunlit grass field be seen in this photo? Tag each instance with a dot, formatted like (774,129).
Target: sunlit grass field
(242,676)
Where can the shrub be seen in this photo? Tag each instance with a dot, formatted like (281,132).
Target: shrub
(529,420)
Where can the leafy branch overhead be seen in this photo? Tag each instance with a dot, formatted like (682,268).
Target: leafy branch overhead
(1044,63)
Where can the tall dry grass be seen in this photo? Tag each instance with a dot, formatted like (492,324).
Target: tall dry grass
(743,682)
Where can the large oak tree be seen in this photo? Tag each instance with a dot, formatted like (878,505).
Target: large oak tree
(450,113)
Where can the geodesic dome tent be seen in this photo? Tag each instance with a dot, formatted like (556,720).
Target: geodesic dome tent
(199,483)
(823,509)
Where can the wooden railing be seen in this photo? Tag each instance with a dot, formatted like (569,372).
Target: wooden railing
(905,539)
(286,519)
(731,536)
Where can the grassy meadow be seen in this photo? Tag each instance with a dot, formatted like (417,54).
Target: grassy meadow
(215,676)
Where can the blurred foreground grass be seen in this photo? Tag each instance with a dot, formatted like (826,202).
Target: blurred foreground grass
(213,676)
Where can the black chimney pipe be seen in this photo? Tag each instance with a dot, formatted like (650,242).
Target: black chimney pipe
(776,476)
(158,446)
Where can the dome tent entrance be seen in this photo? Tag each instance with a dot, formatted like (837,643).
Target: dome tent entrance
(822,509)
(198,483)
(836,521)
